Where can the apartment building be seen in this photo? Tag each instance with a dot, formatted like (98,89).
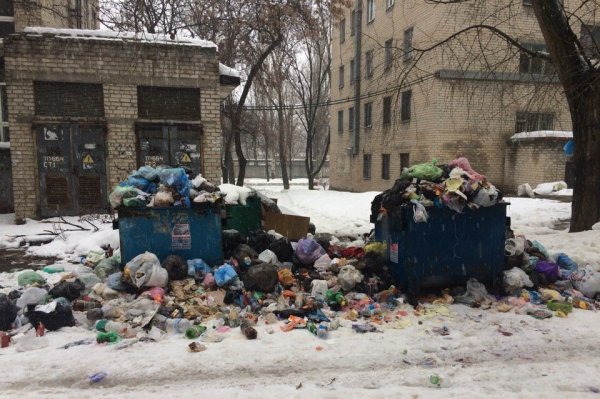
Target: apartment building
(403,93)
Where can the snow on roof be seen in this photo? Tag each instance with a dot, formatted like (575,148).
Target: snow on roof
(225,70)
(542,134)
(100,34)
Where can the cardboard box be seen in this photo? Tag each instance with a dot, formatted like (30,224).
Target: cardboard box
(292,226)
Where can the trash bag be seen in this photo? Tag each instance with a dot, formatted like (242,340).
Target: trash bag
(258,240)
(268,256)
(420,214)
(476,293)
(283,249)
(514,246)
(231,239)
(586,280)
(54,315)
(197,268)
(487,196)
(209,281)
(51,269)
(224,275)
(465,165)
(244,255)
(549,269)
(322,264)
(105,268)
(114,282)
(31,296)
(176,178)
(569,148)
(516,279)
(8,313)
(324,240)
(564,262)
(147,172)
(69,290)
(134,202)
(138,182)
(163,199)
(423,171)
(29,277)
(349,277)
(525,190)
(262,277)
(119,193)
(145,270)
(319,289)
(176,267)
(286,278)
(308,251)
(379,247)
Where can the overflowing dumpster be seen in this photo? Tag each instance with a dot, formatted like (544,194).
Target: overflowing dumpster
(243,218)
(449,249)
(189,232)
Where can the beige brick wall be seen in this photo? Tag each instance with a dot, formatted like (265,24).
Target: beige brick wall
(54,13)
(449,116)
(120,67)
(535,161)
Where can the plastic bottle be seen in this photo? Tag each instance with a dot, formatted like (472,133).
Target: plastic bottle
(312,327)
(173,326)
(194,331)
(123,329)
(322,330)
(83,306)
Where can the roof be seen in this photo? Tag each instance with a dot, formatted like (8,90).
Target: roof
(537,134)
(100,34)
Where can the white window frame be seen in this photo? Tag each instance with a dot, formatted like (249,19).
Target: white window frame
(389,4)
(370,10)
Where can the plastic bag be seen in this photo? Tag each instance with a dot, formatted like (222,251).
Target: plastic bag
(51,269)
(548,269)
(224,275)
(198,268)
(145,270)
(176,267)
(378,247)
(420,214)
(244,255)
(308,251)
(209,281)
(476,293)
(322,264)
(54,315)
(68,290)
(177,178)
(540,247)
(516,279)
(349,277)
(566,263)
(138,182)
(258,240)
(423,171)
(268,256)
(31,296)
(121,192)
(8,313)
(163,199)
(29,277)
(525,190)
(586,280)
(514,246)
(114,281)
(147,172)
(319,289)
(261,277)
(487,196)
(464,164)
(105,268)
(283,249)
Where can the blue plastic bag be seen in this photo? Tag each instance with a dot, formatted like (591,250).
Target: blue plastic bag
(566,263)
(114,282)
(225,275)
(198,268)
(569,148)
(138,182)
(147,172)
(177,178)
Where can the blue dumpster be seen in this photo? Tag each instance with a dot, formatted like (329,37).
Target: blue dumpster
(189,232)
(448,249)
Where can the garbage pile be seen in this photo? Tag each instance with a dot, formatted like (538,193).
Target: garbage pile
(454,185)
(163,187)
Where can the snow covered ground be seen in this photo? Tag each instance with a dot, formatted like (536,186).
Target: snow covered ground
(486,354)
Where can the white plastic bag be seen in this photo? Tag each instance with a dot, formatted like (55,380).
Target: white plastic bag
(420,213)
(322,264)
(525,190)
(268,256)
(515,279)
(349,277)
(514,246)
(31,296)
(145,270)
(319,289)
(476,293)
(586,280)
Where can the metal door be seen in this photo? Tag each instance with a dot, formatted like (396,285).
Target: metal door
(71,169)
(171,145)
(185,148)
(153,144)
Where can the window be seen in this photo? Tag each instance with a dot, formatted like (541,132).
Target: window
(408,44)
(404,161)
(352,71)
(352,22)
(405,107)
(370,10)
(526,2)
(341,121)
(389,4)
(590,40)
(385,166)
(7,18)
(351,119)
(368,114)
(388,54)
(387,110)
(534,65)
(343,30)
(369,63)
(533,121)
(341,76)
(367,166)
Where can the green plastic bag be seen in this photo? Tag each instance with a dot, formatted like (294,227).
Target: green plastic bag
(133,203)
(120,193)
(30,277)
(423,171)
(53,269)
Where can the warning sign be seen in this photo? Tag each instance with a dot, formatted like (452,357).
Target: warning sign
(88,159)
(181,237)
(186,158)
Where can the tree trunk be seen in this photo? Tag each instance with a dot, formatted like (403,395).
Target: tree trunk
(585,116)
(281,141)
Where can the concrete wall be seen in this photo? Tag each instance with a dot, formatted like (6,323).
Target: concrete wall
(120,66)
(458,107)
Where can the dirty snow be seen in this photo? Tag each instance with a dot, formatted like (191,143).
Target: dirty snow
(487,354)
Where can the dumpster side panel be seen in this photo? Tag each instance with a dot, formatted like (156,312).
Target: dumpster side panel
(179,231)
(244,218)
(449,249)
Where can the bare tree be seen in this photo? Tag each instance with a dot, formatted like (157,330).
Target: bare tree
(152,16)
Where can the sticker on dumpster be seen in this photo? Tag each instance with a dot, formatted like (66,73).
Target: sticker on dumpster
(181,237)
(394,252)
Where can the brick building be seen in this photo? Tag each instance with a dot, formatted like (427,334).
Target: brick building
(87,107)
(393,105)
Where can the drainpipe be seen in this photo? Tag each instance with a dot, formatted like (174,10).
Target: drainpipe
(355,138)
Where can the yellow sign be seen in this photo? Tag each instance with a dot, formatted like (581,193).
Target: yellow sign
(88,159)
(186,158)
